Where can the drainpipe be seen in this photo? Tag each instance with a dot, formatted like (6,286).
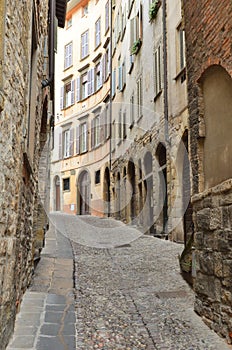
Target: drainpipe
(165,72)
(110,155)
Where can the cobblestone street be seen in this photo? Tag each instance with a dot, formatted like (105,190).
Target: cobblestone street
(129,297)
(133,296)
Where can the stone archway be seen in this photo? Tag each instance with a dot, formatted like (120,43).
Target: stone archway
(84,195)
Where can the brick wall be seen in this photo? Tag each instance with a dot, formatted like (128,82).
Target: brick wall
(208,42)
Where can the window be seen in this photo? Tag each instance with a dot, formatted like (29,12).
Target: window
(113,87)
(67,95)
(85,10)
(85,44)
(66,184)
(97,177)
(69,23)
(98,32)
(123,22)
(132,110)
(121,76)
(136,30)
(98,75)
(180,64)
(68,56)
(139,97)
(157,71)
(124,125)
(66,143)
(83,137)
(119,126)
(84,85)
(95,131)
(181,35)
(107,22)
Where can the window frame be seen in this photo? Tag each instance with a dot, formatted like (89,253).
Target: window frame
(84,44)
(68,55)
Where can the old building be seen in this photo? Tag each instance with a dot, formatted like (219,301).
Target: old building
(140,167)
(150,118)
(208,38)
(27,54)
(79,168)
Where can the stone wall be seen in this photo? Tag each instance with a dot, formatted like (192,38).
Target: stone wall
(208,42)
(213,244)
(18,173)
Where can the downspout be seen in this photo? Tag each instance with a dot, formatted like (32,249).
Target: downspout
(111,65)
(166,127)
(165,72)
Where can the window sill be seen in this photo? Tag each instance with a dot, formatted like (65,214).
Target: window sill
(66,68)
(83,58)
(97,47)
(181,74)
(157,95)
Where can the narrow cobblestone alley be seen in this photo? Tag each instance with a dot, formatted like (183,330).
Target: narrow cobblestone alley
(129,297)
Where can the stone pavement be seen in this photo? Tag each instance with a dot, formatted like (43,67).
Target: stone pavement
(46,320)
(129,293)
(133,296)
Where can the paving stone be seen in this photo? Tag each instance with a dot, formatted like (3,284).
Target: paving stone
(53,299)
(49,343)
(23,342)
(50,329)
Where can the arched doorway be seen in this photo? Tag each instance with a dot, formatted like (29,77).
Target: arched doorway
(84,193)
(148,187)
(131,178)
(57,193)
(163,196)
(106,190)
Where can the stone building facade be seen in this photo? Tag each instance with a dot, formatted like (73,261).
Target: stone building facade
(150,119)
(26,60)
(208,39)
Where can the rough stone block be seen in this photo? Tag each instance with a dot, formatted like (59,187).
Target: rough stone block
(203,220)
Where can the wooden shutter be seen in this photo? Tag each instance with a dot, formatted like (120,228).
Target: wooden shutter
(92,80)
(89,82)
(60,146)
(72,92)
(120,78)
(92,134)
(62,98)
(101,73)
(87,137)
(71,142)
(77,139)
(78,95)
(104,68)
(70,54)
(102,127)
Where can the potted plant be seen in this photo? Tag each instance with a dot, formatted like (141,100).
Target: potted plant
(136,46)
(154,7)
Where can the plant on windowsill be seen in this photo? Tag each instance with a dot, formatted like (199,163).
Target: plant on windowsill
(154,7)
(136,46)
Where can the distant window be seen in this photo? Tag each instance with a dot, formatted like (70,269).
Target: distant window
(85,44)
(132,110)
(97,177)
(68,55)
(69,23)
(85,10)
(98,32)
(84,85)
(83,137)
(107,22)
(67,95)
(139,97)
(66,184)
(66,143)
(157,71)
